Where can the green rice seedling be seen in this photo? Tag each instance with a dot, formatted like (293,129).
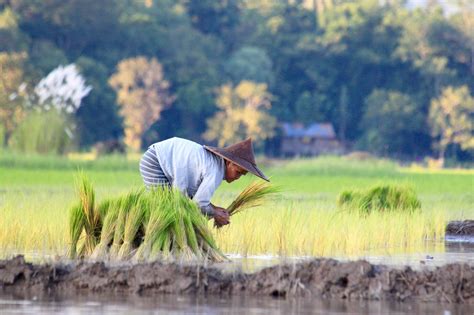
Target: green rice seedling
(348,197)
(103,208)
(177,228)
(157,225)
(108,228)
(191,238)
(127,203)
(133,223)
(76,225)
(381,198)
(160,218)
(162,246)
(206,240)
(173,227)
(252,196)
(92,221)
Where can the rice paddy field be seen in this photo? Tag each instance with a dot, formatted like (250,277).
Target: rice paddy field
(36,194)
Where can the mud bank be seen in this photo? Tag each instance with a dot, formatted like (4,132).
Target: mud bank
(329,278)
(465,227)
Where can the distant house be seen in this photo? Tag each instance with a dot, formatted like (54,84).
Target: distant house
(315,139)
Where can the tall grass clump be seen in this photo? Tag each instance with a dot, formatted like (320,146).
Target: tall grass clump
(380,198)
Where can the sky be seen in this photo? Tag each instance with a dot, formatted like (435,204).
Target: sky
(449,6)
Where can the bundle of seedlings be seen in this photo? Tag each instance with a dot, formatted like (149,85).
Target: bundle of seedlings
(113,228)
(252,196)
(159,224)
(176,230)
(85,220)
(380,198)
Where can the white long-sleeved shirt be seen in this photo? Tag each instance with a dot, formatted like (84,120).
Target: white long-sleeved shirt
(192,169)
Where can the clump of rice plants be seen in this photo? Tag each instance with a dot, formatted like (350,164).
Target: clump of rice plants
(252,196)
(380,198)
(141,226)
(85,220)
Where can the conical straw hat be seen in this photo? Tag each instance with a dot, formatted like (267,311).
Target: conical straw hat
(241,154)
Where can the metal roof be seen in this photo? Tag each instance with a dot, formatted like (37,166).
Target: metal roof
(314,130)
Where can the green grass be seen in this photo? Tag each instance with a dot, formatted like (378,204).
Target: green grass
(37,192)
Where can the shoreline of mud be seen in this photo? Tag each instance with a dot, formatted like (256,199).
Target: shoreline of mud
(326,278)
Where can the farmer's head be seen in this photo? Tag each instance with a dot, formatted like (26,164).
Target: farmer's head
(233,171)
(239,159)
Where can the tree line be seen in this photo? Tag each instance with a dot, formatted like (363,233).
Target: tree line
(392,80)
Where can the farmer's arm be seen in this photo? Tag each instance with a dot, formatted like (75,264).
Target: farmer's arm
(203,196)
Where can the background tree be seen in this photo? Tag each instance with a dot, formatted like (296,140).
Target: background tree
(243,113)
(11,37)
(12,109)
(63,89)
(142,93)
(316,69)
(49,125)
(251,64)
(392,123)
(97,118)
(451,119)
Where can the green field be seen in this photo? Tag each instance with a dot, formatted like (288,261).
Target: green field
(37,192)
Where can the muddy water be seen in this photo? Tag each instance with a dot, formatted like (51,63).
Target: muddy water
(173,304)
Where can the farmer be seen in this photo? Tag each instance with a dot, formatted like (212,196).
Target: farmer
(198,170)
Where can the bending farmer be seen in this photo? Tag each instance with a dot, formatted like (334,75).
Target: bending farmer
(198,170)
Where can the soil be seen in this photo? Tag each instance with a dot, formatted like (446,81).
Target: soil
(453,283)
(465,227)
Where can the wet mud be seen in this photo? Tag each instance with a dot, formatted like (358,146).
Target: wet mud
(327,278)
(465,227)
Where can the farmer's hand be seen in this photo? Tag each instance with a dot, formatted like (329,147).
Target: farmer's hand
(221,217)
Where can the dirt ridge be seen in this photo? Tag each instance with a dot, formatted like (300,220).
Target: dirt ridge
(453,283)
(465,227)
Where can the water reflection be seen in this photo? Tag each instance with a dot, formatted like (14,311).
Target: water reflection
(171,304)
(453,249)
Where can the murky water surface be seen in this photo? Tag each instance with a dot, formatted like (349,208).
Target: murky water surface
(171,304)
(454,249)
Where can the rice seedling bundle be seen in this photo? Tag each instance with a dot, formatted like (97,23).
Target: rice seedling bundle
(140,226)
(84,220)
(158,224)
(252,196)
(108,228)
(381,198)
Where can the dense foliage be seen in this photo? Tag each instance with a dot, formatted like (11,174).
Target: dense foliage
(371,68)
